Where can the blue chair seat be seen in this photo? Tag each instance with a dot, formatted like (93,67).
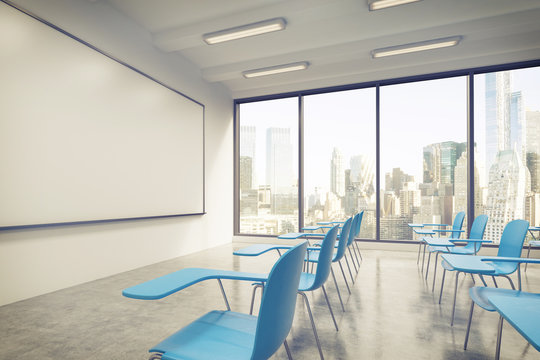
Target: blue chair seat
(306,281)
(227,333)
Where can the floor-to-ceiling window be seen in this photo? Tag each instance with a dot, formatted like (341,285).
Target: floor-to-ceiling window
(423,154)
(339,157)
(507,129)
(416,133)
(268,166)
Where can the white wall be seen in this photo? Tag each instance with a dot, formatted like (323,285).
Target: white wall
(41,260)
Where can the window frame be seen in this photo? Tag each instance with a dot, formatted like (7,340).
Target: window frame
(469,73)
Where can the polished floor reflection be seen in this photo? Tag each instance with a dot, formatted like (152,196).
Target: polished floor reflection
(391,314)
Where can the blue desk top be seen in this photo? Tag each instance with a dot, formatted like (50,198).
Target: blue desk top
(522,313)
(316,227)
(292,235)
(468,263)
(166,285)
(438,242)
(416,225)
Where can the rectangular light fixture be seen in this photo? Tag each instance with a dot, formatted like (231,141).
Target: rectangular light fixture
(418,46)
(243,31)
(382,4)
(276,69)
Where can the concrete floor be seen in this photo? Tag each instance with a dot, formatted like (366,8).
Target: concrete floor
(391,314)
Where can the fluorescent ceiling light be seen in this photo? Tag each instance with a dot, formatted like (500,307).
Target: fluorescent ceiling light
(418,46)
(243,31)
(381,4)
(276,69)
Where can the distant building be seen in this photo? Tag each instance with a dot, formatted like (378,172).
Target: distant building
(279,158)
(337,173)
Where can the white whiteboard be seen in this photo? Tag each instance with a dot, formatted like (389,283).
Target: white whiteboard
(85,138)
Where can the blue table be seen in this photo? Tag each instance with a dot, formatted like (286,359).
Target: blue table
(522,313)
(169,284)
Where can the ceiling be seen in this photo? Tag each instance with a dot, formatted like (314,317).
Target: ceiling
(336,37)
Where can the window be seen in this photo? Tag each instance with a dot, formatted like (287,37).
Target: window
(507,129)
(339,157)
(268,167)
(400,156)
(423,130)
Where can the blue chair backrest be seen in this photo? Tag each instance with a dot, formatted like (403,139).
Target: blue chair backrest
(325,258)
(458,223)
(512,239)
(358,223)
(346,230)
(477,232)
(278,303)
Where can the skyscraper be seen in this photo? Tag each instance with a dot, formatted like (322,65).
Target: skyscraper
(498,99)
(279,174)
(247,148)
(532,126)
(337,173)
(509,182)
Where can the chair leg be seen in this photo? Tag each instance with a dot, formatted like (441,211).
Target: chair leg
(494,282)
(472,277)
(455,293)
(358,248)
(528,253)
(224,296)
(483,280)
(468,327)
(442,285)
(510,280)
(499,335)
(435,271)
(427,267)
(352,259)
(419,248)
(312,324)
(349,266)
(337,288)
(355,253)
(287,349)
(255,287)
(329,307)
(424,257)
(344,277)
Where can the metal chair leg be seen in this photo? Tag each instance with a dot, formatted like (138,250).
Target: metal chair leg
(424,257)
(435,271)
(455,293)
(472,277)
(329,307)
(224,296)
(468,326)
(528,253)
(510,280)
(344,277)
(287,350)
(358,248)
(349,266)
(427,267)
(483,280)
(355,253)
(419,248)
(337,288)
(352,259)
(499,335)
(442,285)
(255,287)
(494,282)
(312,324)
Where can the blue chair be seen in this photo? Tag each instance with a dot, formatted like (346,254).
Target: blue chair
(454,235)
(311,282)
(510,245)
(480,296)
(471,248)
(313,256)
(231,335)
